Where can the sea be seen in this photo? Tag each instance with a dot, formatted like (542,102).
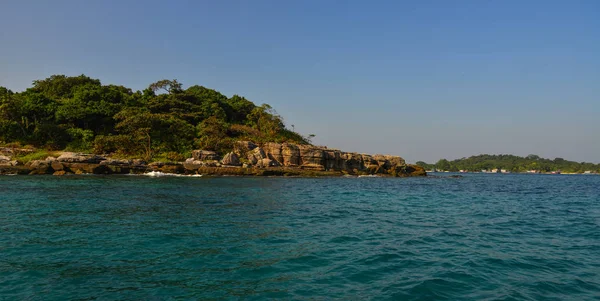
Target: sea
(475,237)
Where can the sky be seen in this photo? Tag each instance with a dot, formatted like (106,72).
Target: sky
(424,80)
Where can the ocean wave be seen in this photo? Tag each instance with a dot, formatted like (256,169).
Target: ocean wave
(164,174)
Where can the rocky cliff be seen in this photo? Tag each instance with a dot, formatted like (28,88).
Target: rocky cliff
(247,158)
(307,157)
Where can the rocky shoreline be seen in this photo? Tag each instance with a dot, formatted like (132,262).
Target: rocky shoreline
(246,159)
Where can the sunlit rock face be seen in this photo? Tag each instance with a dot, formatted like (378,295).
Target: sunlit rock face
(316,158)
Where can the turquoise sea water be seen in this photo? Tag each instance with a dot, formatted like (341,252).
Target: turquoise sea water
(481,237)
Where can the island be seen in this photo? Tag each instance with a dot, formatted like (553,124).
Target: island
(72,125)
(512,164)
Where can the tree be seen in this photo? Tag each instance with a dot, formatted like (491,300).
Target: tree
(212,134)
(138,125)
(79,113)
(12,124)
(240,107)
(266,120)
(425,165)
(515,164)
(61,86)
(155,133)
(443,164)
(169,86)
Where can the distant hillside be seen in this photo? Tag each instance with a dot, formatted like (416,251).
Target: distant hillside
(164,120)
(511,163)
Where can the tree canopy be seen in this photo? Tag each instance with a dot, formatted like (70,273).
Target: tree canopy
(80,114)
(511,163)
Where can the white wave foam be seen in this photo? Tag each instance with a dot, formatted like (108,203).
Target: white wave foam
(164,174)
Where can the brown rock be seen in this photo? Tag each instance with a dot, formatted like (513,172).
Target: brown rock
(333,160)
(409,171)
(352,161)
(311,155)
(273,151)
(167,167)
(69,157)
(39,167)
(11,170)
(290,154)
(116,166)
(256,155)
(119,169)
(396,160)
(87,168)
(368,160)
(79,168)
(267,163)
(116,162)
(305,157)
(241,148)
(231,159)
(204,155)
(57,166)
(382,161)
(311,166)
(4,160)
(192,164)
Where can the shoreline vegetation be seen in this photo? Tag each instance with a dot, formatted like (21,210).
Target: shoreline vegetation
(73,125)
(512,164)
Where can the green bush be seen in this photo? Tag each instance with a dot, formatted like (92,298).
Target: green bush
(116,144)
(81,140)
(37,155)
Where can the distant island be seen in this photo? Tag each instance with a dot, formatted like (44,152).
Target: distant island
(511,163)
(63,125)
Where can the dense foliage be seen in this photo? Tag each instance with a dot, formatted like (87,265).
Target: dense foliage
(80,114)
(511,163)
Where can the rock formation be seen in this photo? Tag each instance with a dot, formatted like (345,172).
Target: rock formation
(6,161)
(247,158)
(309,157)
(231,159)
(203,155)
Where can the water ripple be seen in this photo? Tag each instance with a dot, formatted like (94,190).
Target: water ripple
(481,237)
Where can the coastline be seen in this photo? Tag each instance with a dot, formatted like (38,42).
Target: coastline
(247,159)
(177,168)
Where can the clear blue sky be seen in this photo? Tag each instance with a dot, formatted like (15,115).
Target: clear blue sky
(421,79)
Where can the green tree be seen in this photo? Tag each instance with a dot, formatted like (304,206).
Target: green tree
(79,113)
(239,108)
(169,86)
(155,133)
(266,120)
(212,134)
(61,86)
(425,165)
(443,165)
